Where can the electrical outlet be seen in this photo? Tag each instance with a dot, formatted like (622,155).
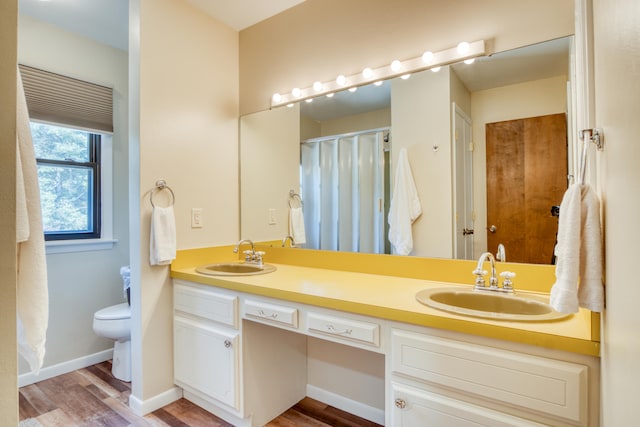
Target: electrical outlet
(196,218)
(272,217)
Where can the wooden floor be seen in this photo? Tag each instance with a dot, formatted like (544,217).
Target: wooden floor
(93,397)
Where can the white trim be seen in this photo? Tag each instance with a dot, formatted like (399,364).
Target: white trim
(143,407)
(64,367)
(80,245)
(344,403)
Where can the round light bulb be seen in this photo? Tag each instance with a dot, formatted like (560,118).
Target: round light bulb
(317,86)
(463,48)
(290,105)
(330,95)
(367,73)
(296,92)
(341,80)
(435,69)
(377,83)
(308,100)
(405,76)
(469,61)
(427,57)
(276,97)
(396,65)
(353,89)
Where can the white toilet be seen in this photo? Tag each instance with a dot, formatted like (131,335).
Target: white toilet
(114,322)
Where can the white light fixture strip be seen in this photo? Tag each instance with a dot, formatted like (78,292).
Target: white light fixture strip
(445,57)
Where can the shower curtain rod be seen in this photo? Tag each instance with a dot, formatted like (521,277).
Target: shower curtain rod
(345,135)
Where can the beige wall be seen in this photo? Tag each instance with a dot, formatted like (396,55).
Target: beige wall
(184,76)
(548,96)
(8,348)
(357,122)
(319,39)
(83,282)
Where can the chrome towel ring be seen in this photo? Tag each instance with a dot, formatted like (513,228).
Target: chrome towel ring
(161,184)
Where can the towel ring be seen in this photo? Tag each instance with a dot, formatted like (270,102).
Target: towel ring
(293,196)
(161,184)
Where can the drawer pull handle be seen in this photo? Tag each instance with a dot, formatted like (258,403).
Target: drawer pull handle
(333,330)
(227,343)
(400,403)
(261,313)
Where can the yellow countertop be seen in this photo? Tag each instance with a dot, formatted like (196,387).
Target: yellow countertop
(384,296)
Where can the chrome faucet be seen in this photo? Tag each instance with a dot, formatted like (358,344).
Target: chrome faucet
(501,254)
(288,237)
(251,255)
(479,272)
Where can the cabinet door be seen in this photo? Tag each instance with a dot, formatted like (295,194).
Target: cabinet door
(419,408)
(206,360)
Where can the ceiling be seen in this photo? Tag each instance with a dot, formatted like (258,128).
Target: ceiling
(107,21)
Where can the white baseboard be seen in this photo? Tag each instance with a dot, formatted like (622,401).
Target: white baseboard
(143,407)
(353,407)
(65,367)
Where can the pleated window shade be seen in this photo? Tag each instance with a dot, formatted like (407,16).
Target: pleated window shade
(67,101)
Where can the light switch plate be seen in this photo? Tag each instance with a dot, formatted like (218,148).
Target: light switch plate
(196,218)
(272,217)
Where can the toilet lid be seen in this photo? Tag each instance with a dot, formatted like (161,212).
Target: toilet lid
(120,311)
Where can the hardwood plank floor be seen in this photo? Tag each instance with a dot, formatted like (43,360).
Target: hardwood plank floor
(92,397)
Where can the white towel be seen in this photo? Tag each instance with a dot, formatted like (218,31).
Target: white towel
(579,253)
(296,226)
(32,288)
(405,207)
(162,241)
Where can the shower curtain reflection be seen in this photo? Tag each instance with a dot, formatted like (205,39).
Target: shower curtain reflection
(342,183)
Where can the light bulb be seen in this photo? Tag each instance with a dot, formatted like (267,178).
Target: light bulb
(353,89)
(341,80)
(427,57)
(296,92)
(463,48)
(276,97)
(367,73)
(317,86)
(405,76)
(435,69)
(469,61)
(330,95)
(396,65)
(377,83)
(308,100)
(290,105)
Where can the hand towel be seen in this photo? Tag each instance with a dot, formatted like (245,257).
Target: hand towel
(296,226)
(405,207)
(125,273)
(32,288)
(579,253)
(162,241)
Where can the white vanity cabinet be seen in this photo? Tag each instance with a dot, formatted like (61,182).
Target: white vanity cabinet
(206,343)
(438,381)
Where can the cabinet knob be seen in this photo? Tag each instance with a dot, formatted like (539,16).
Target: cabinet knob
(400,403)
(227,343)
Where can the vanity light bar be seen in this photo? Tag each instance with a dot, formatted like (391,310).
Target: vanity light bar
(395,69)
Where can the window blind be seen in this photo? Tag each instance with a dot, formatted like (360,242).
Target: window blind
(64,100)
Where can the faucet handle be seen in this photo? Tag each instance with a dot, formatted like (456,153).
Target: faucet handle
(507,284)
(479,273)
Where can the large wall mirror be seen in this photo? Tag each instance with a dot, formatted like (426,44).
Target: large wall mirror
(489,146)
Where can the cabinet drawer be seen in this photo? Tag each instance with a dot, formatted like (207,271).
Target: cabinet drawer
(549,386)
(413,407)
(344,329)
(206,303)
(271,313)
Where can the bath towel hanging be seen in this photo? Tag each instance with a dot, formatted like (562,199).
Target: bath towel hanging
(32,288)
(405,207)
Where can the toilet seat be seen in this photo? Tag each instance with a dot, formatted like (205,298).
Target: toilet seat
(114,312)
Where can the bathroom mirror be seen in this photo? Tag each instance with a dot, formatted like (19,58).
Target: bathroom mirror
(425,114)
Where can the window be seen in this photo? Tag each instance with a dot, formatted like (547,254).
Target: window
(68,163)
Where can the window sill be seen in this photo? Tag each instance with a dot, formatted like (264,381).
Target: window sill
(67,246)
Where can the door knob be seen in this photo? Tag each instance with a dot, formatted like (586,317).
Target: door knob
(493,228)
(400,403)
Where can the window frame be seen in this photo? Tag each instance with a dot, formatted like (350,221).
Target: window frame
(95,195)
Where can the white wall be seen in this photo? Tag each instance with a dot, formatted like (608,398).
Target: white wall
(184,76)
(419,106)
(82,283)
(548,96)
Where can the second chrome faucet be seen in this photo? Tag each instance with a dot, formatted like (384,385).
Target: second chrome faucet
(480,284)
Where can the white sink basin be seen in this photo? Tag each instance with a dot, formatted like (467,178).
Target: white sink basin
(235,269)
(489,304)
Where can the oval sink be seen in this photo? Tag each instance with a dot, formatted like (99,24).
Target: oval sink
(489,304)
(235,269)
